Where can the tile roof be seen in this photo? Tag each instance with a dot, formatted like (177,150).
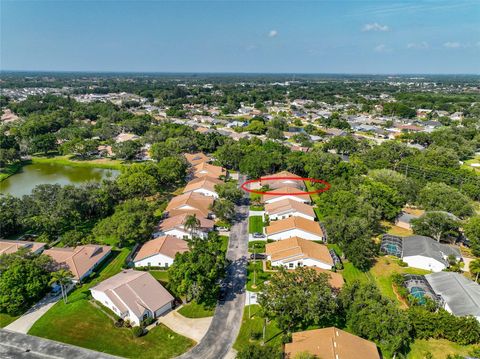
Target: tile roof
(80,259)
(283,191)
(296,248)
(196,158)
(188,201)
(206,169)
(135,290)
(304,224)
(289,205)
(179,220)
(277,183)
(8,247)
(206,182)
(331,343)
(166,245)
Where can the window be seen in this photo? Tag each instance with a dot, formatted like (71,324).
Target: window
(290,265)
(166,264)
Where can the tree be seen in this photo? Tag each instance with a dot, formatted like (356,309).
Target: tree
(441,197)
(192,224)
(256,351)
(382,197)
(297,299)
(9,214)
(63,278)
(474,268)
(195,273)
(126,150)
(406,187)
(24,279)
(224,209)
(229,191)
(438,225)
(472,232)
(132,222)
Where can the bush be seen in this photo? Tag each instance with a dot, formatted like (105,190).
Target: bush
(146,322)
(119,323)
(137,331)
(255,335)
(402,263)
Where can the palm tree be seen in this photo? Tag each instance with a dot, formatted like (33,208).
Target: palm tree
(191,223)
(474,267)
(64,278)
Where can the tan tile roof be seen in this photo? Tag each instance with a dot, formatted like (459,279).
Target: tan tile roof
(206,169)
(280,192)
(331,343)
(286,224)
(166,245)
(206,182)
(288,205)
(196,158)
(178,221)
(282,182)
(137,290)
(8,247)
(296,248)
(79,260)
(195,201)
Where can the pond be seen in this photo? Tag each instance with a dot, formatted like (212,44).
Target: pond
(34,174)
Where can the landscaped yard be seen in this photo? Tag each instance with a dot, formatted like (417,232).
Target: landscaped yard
(255,224)
(397,231)
(160,275)
(259,246)
(439,348)
(6,319)
(260,276)
(80,323)
(195,310)
(69,161)
(252,329)
(256,208)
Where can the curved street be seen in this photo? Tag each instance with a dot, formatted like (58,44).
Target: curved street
(227,318)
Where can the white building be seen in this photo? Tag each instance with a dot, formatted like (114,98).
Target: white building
(159,252)
(289,208)
(295,227)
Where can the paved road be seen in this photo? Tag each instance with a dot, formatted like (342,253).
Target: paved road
(228,316)
(16,345)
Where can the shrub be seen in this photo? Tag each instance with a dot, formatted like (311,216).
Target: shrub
(402,263)
(146,322)
(137,331)
(119,323)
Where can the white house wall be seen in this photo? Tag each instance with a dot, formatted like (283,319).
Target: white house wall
(281,198)
(306,262)
(295,233)
(423,262)
(157,260)
(285,215)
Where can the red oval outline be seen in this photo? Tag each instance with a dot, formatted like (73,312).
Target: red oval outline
(303,179)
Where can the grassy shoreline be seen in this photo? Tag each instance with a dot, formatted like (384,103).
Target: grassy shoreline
(11,169)
(67,161)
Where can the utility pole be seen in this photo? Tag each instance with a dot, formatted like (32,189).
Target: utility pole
(254,266)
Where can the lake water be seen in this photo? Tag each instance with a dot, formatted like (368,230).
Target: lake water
(32,175)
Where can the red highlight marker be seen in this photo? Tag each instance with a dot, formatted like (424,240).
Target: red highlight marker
(303,179)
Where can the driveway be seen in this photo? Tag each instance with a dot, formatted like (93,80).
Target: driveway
(226,322)
(26,321)
(193,328)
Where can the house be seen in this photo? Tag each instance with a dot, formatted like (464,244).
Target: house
(330,343)
(80,260)
(289,208)
(133,295)
(203,185)
(191,203)
(406,216)
(272,182)
(196,158)
(295,227)
(123,137)
(298,252)
(159,252)
(461,296)
(420,251)
(205,169)
(175,226)
(282,193)
(9,247)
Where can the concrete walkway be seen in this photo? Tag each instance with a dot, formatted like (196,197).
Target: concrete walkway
(26,321)
(193,328)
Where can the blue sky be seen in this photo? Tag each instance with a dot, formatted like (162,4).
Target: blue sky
(242,36)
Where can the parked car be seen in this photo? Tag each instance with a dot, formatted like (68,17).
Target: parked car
(222,294)
(260,256)
(258,235)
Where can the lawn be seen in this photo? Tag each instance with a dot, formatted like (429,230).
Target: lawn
(397,231)
(256,208)
(160,275)
(351,273)
(439,348)
(6,319)
(252,329)
(259,246)
(68,161)
(255,224)
(80,323)
(195,310)
(260,276)
(224,247)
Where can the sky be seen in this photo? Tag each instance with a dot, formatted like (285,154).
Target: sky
(371,37)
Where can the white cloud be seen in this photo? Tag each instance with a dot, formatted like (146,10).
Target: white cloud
(381,48)
(375,27)
(418,45)
(452,45)
(272,33)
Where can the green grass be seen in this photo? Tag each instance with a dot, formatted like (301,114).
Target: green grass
(261,276)
(68,161)
(10,170)
(256,208)
(351,273)
(310,188)
(259,246)
(160,275)
(196,310)
(439,348)
(6,319)
(255,224)
(80,323)
(224,247)
(254,324)
(335,247)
